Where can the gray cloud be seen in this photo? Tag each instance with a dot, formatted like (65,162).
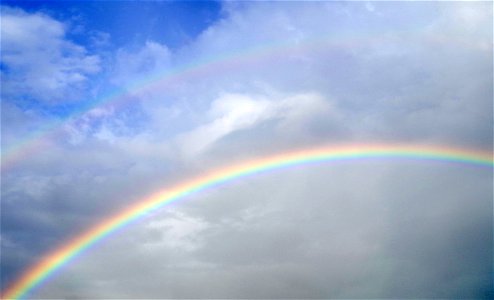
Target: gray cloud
(397,233)
(336,73)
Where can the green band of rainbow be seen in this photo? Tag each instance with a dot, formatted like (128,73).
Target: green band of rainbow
(40,272)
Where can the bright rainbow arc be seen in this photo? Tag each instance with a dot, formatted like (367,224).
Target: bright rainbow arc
(55,260)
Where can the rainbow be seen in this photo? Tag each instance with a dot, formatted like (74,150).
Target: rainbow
(40,272)
(199,68)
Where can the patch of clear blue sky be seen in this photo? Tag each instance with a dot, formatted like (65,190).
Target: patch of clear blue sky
(130,23)
(102,27)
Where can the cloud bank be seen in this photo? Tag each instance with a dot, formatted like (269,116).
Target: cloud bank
(262,78)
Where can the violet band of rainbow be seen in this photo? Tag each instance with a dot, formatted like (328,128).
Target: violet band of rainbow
(41,271)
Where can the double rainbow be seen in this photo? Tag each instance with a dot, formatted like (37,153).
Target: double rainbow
(40,272)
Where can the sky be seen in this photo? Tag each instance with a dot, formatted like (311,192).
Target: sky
(104,103)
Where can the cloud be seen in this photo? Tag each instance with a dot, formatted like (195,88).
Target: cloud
(268,78)
(269,237)
(400,84)
(231,113)
(39,62)
(152,57)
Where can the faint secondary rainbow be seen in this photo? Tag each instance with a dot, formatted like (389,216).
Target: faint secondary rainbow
(201,67)
(40,272)
(198,68)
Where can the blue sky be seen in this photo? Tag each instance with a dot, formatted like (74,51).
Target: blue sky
(105,26)
(247,79)
(130,22)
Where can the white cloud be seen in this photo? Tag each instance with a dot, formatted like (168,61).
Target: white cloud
(370,7)
(132,65)
(236,112)
(228,113)
(39,60)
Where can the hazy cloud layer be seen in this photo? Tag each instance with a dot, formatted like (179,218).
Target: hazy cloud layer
(264,78)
